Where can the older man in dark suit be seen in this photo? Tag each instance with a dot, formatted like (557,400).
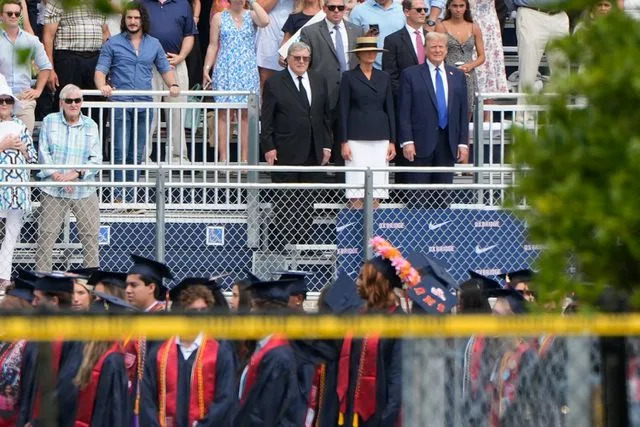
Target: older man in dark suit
(433,113)
(295,131)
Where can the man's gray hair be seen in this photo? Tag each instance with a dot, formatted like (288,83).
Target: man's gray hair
(298,46)
(433,36)
(68,89)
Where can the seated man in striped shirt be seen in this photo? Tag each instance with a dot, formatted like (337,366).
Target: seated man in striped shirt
(68,138)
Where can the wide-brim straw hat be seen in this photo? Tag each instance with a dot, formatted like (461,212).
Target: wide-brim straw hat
(367,44)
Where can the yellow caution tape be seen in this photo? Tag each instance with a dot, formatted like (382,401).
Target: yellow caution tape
(101,327)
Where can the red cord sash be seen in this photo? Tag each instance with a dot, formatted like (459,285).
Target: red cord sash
(475,364)
(87,396)
(202,381)
(252,371)
(315,395)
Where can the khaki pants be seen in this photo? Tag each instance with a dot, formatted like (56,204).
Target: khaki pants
(52,214)
(27,113)
(175,131)
(534,31)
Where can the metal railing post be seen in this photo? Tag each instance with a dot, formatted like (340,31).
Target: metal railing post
(478,141)
(367,213)
(253,222)
(578,368)
(160,214)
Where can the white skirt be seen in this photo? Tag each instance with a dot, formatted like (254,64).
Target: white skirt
(371,154)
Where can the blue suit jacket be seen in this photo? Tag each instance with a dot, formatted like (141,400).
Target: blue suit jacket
(418,112)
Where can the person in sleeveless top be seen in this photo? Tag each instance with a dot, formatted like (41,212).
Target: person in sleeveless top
(463,37)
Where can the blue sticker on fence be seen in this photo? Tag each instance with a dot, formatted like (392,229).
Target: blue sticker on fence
(104,237)
(215,235)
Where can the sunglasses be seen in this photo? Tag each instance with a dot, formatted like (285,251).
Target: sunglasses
(14,14)
(334,8)
(7,101)
(420,9)
(73,100)
(301,58)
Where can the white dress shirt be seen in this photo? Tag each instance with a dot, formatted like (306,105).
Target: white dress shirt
(412,36)
(305,83)
(345,39)
(187,350)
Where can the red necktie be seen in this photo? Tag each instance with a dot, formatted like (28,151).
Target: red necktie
(419,47)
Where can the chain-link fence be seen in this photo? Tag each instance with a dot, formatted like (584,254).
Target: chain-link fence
(264,227)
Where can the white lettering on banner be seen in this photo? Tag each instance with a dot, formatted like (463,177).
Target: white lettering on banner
(488,271)
(444,248)
(533,247)
(391,225)
(348,251)
(486,224)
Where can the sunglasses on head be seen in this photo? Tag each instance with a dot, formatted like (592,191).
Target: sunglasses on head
(72,100)
(14,14)
(334,7)
(420,9)
(7,101)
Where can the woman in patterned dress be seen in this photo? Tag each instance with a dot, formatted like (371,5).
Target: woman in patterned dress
(16,148)
(232,55)
(491,76)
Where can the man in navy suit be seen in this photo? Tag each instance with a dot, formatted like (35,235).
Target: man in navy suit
(433,119)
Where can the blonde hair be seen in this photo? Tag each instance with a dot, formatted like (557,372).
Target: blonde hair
(90,355)
(299,5)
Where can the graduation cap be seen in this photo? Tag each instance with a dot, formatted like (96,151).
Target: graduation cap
(385,268)
(210,283)
(486,283)
(299,278)
(515,299)
(113,303)
(251,278)
(427,264)
(83,272)
(108,278)
(28,275)
(154,270)
(22,289)
(272,290)
(342,296)
(518,276)
(54,282)
(432,296)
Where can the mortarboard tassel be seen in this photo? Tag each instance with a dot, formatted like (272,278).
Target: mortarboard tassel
(355,420)
(340,419)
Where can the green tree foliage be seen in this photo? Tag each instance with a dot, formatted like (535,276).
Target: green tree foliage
(582,177)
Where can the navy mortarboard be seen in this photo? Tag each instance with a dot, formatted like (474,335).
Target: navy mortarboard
(108,278)
(486,282)
(113,303)
(431,296)
(514,277)
(53,282)
(22,289)
(342,296)
(273,290)
(251,278)
(153,270)
(84,272)
(28,275)
(427,264)
(299,278)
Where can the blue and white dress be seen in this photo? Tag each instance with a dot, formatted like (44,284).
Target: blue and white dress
(16,197)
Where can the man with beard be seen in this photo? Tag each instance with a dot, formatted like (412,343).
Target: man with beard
(128,58)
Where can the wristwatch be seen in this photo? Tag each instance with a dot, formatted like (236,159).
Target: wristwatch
(430,22)
(80,173)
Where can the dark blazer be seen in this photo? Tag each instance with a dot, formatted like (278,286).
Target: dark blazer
(418,111)
(324,59)
(366,107)
(289,125)
(400,54)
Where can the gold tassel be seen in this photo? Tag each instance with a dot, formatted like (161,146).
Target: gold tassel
(340,419)
(355,420)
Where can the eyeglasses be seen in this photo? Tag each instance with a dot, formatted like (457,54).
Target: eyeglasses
(7,101)
(420,9)
(334,7)
(14,14)
(72,100)
(301,58)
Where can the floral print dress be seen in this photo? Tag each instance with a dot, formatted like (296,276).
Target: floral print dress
(490,76)
(16,197)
